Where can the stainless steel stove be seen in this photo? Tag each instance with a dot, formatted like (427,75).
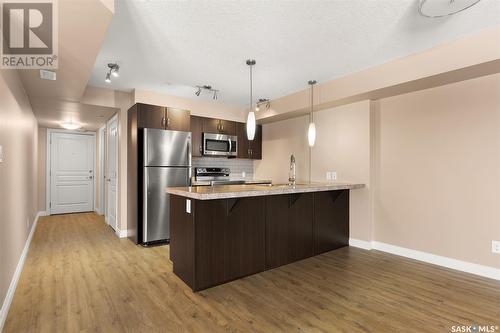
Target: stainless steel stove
(213,176)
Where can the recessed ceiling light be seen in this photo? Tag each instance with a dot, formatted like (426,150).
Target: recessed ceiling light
(47,75)
(70,125)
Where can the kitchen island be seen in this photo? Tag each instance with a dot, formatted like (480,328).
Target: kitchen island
(222,233)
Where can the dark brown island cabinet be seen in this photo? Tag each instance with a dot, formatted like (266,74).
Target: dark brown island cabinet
(225,239)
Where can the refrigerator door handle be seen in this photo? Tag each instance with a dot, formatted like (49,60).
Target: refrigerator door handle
(145,207)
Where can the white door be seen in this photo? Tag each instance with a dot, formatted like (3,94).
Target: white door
(71,173)
(112,172)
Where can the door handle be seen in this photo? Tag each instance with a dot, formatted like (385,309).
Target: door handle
(230,145)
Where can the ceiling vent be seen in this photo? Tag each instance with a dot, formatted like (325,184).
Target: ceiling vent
(47,75)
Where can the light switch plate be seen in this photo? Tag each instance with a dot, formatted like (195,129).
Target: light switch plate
(1,154)
(328,175)
(188,206)
(495,247)
(334,175)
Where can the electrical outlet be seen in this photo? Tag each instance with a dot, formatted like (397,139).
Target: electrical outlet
(334,175)
(495,247)
(243,174)
(1,154)
(328,175)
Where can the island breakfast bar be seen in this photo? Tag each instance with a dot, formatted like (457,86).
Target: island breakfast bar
(222,233)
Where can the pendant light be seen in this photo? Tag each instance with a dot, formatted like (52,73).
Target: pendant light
(251,114)
(311,131)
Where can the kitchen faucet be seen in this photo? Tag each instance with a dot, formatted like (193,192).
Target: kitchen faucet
(292,173)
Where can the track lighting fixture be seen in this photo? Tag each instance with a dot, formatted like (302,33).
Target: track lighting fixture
(209,89)
(263,101)
(113,70)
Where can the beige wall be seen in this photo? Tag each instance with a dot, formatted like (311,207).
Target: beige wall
(430,159)
(438,170)
(42,168)
(123,101)
(18,174)
(342,145)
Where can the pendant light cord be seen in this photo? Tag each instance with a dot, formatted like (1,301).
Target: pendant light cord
(311,120)
(251,89)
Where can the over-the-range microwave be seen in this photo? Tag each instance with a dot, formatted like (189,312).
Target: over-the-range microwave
(220,145)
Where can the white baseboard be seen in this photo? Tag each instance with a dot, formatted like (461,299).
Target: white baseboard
(365,245)
(17,273)
(121,233)
(459,265)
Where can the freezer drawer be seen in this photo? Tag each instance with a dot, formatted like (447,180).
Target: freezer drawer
(156,212)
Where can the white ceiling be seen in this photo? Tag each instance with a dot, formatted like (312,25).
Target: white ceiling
(171,46)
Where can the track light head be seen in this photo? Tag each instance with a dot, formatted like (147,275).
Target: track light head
(215,94)
(108,78)
(198,92)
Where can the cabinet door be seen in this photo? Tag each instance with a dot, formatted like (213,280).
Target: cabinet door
(331,220)
(151,116)
(210,223)
(255,151)
(245,237)
(177,120)
(289,228)
(210,125)
(227,127)
(196,135)
(243,148)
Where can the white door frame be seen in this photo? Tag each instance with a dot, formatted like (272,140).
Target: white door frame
(115,117)
(48,176)
(102,170)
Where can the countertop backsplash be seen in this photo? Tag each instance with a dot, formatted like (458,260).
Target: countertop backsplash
(237,166)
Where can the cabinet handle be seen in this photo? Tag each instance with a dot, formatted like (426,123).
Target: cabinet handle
(201,149)
(163,122)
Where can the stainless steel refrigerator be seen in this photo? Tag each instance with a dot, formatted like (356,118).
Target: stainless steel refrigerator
(166,163)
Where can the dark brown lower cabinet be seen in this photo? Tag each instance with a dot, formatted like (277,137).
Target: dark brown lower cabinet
(289,228)
(245,247)
(331,220)
(222,240)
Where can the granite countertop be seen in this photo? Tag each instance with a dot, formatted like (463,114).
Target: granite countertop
(250,190)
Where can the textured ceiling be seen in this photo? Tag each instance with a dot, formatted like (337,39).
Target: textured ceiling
(171,46)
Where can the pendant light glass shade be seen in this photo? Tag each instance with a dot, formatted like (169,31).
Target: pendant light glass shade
(251,125)
(251,114)
(311,134)
(311,131)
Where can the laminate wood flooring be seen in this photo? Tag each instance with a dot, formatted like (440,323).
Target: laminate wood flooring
(79,277)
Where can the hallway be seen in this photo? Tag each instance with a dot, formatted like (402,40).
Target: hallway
(80,277)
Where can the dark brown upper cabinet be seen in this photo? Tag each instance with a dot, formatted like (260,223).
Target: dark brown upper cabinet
(196,135)
(177,120)
(160,117)
(211,125)
(251,149)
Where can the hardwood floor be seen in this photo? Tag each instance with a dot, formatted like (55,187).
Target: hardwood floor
(79,277)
